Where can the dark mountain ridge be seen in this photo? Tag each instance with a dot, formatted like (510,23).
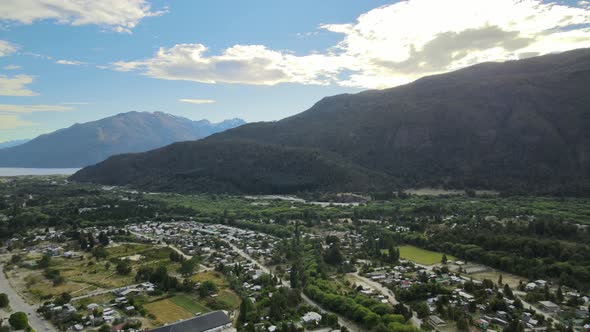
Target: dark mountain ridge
(88,143)
(518,125)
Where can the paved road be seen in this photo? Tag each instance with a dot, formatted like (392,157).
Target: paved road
(385,292)
(18,304)
(527,305)
(366,282)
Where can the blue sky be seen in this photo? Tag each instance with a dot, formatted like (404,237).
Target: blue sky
(257,60)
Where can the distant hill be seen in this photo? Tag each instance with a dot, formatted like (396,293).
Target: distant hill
(10,144)
(520,125)
(88,143)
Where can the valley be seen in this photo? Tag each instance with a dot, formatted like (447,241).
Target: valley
(92,256)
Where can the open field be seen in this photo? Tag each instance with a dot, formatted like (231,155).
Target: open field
(214,276)
(189,303)
(166,311)
(85,275)
(228,299)
(507,278)
(421,256)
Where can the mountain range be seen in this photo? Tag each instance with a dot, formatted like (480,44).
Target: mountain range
(9,144)
(515,126)
(89,143)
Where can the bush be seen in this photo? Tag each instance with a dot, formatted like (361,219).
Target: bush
(19,320)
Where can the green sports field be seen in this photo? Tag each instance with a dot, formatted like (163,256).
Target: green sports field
(421,256)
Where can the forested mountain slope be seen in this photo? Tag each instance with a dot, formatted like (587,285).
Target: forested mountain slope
(517,125)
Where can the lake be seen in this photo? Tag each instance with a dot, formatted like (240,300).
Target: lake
(36,171)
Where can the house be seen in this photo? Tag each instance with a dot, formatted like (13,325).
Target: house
(500,321)
(549,306)
(531,286)
(92,306)
(215,321)
(311,317)
(541,283)
(436,322)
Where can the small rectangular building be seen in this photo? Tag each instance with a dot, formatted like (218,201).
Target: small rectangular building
(549,306)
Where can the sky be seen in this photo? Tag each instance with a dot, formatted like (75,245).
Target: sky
(72,61)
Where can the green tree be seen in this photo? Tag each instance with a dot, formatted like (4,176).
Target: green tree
(444,259)
(123,267)
(188,267)
(104,328)
(245,307)
(334,256)
(207,287)
(508,292)
(19,320)
(4,302)
(393,254)
(559,295)
(103,238)
(44,261)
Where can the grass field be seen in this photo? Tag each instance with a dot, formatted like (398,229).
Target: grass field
(421,256)
(228,299)
(214,276)
(166,311)
(190,304)
(83,276)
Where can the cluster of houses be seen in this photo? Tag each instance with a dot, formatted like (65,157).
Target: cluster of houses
(209,241)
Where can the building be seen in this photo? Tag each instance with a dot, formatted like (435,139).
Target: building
(549,306)
(215,321)
(311,317)
(436,322)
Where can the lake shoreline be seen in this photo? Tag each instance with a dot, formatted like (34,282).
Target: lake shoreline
(22,171)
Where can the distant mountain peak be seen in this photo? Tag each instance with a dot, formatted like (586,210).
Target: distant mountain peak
(87,143)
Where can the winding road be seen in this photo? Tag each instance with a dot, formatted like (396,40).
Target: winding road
(18,304)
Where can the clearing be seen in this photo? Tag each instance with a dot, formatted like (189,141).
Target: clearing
(421,256)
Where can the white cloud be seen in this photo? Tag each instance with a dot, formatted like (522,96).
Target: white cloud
(16,86)
(75,103)
(6,108)
(70,62)
(118,15)
(196,101)
(10,121)
(6,48)
(11,67)
(242,64)
(389,45)
(398,43)
(10,114)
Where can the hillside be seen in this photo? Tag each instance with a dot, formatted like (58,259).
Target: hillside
(9,144)
(519,125)
(88,143)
